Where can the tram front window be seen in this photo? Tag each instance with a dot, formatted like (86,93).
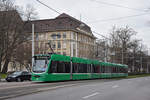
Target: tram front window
(40,66)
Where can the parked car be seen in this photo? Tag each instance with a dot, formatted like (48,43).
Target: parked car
(18,76)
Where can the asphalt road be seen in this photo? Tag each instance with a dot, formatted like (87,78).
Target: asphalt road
(126,89)
(15,89)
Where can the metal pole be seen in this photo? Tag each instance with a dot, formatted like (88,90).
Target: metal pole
(71,70)
(147,67)
(105,59)
(32,44)
(133,61)
(147,61)
(133,69)
(141,66)
(122,55)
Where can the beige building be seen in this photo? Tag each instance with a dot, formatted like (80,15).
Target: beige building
(65,35)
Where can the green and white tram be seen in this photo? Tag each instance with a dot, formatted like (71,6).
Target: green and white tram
(56,67)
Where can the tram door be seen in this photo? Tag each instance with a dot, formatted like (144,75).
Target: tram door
(92,71)
(71,71)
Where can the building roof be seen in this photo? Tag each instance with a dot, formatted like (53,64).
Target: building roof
(61,22)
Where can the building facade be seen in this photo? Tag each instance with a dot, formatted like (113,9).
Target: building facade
(65,35)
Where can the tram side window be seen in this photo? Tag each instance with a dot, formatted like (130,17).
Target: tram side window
(126,70)
(109,69)
(119,70)
(94,68)
(115,69)
(67,67)
(82,68)
(103,69)
(75,67)
(85,68)
(60,67)
(106,69)
(88,68)
(122,70)
(97,69)
(100,69)
(53,67)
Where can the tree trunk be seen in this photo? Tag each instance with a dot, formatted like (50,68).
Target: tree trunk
(5,66)
(0,65)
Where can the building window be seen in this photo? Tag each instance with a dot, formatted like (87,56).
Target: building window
(71,35)
(74,36)
(58,35)
(53,45)
(37,36)
(64,45)
(53,36)
(59,45)
(41,36)
(47,25)
(64,35)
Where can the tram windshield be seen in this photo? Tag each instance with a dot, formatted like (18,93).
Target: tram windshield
(40,65)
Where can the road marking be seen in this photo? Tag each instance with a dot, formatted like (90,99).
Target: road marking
(115,86)
(85,97)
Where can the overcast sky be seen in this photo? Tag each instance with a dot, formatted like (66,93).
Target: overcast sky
(96,13)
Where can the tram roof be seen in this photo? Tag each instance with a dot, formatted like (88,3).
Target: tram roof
(57,57)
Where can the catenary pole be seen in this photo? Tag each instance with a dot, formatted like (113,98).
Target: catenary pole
(32,44)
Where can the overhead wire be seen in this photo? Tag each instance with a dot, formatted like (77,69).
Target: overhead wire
(101,35)
(118,18)
(48,7)
(121,6)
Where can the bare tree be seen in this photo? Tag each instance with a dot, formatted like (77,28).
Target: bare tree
(23,55)
(30,13)
(120,41)
(12,30)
